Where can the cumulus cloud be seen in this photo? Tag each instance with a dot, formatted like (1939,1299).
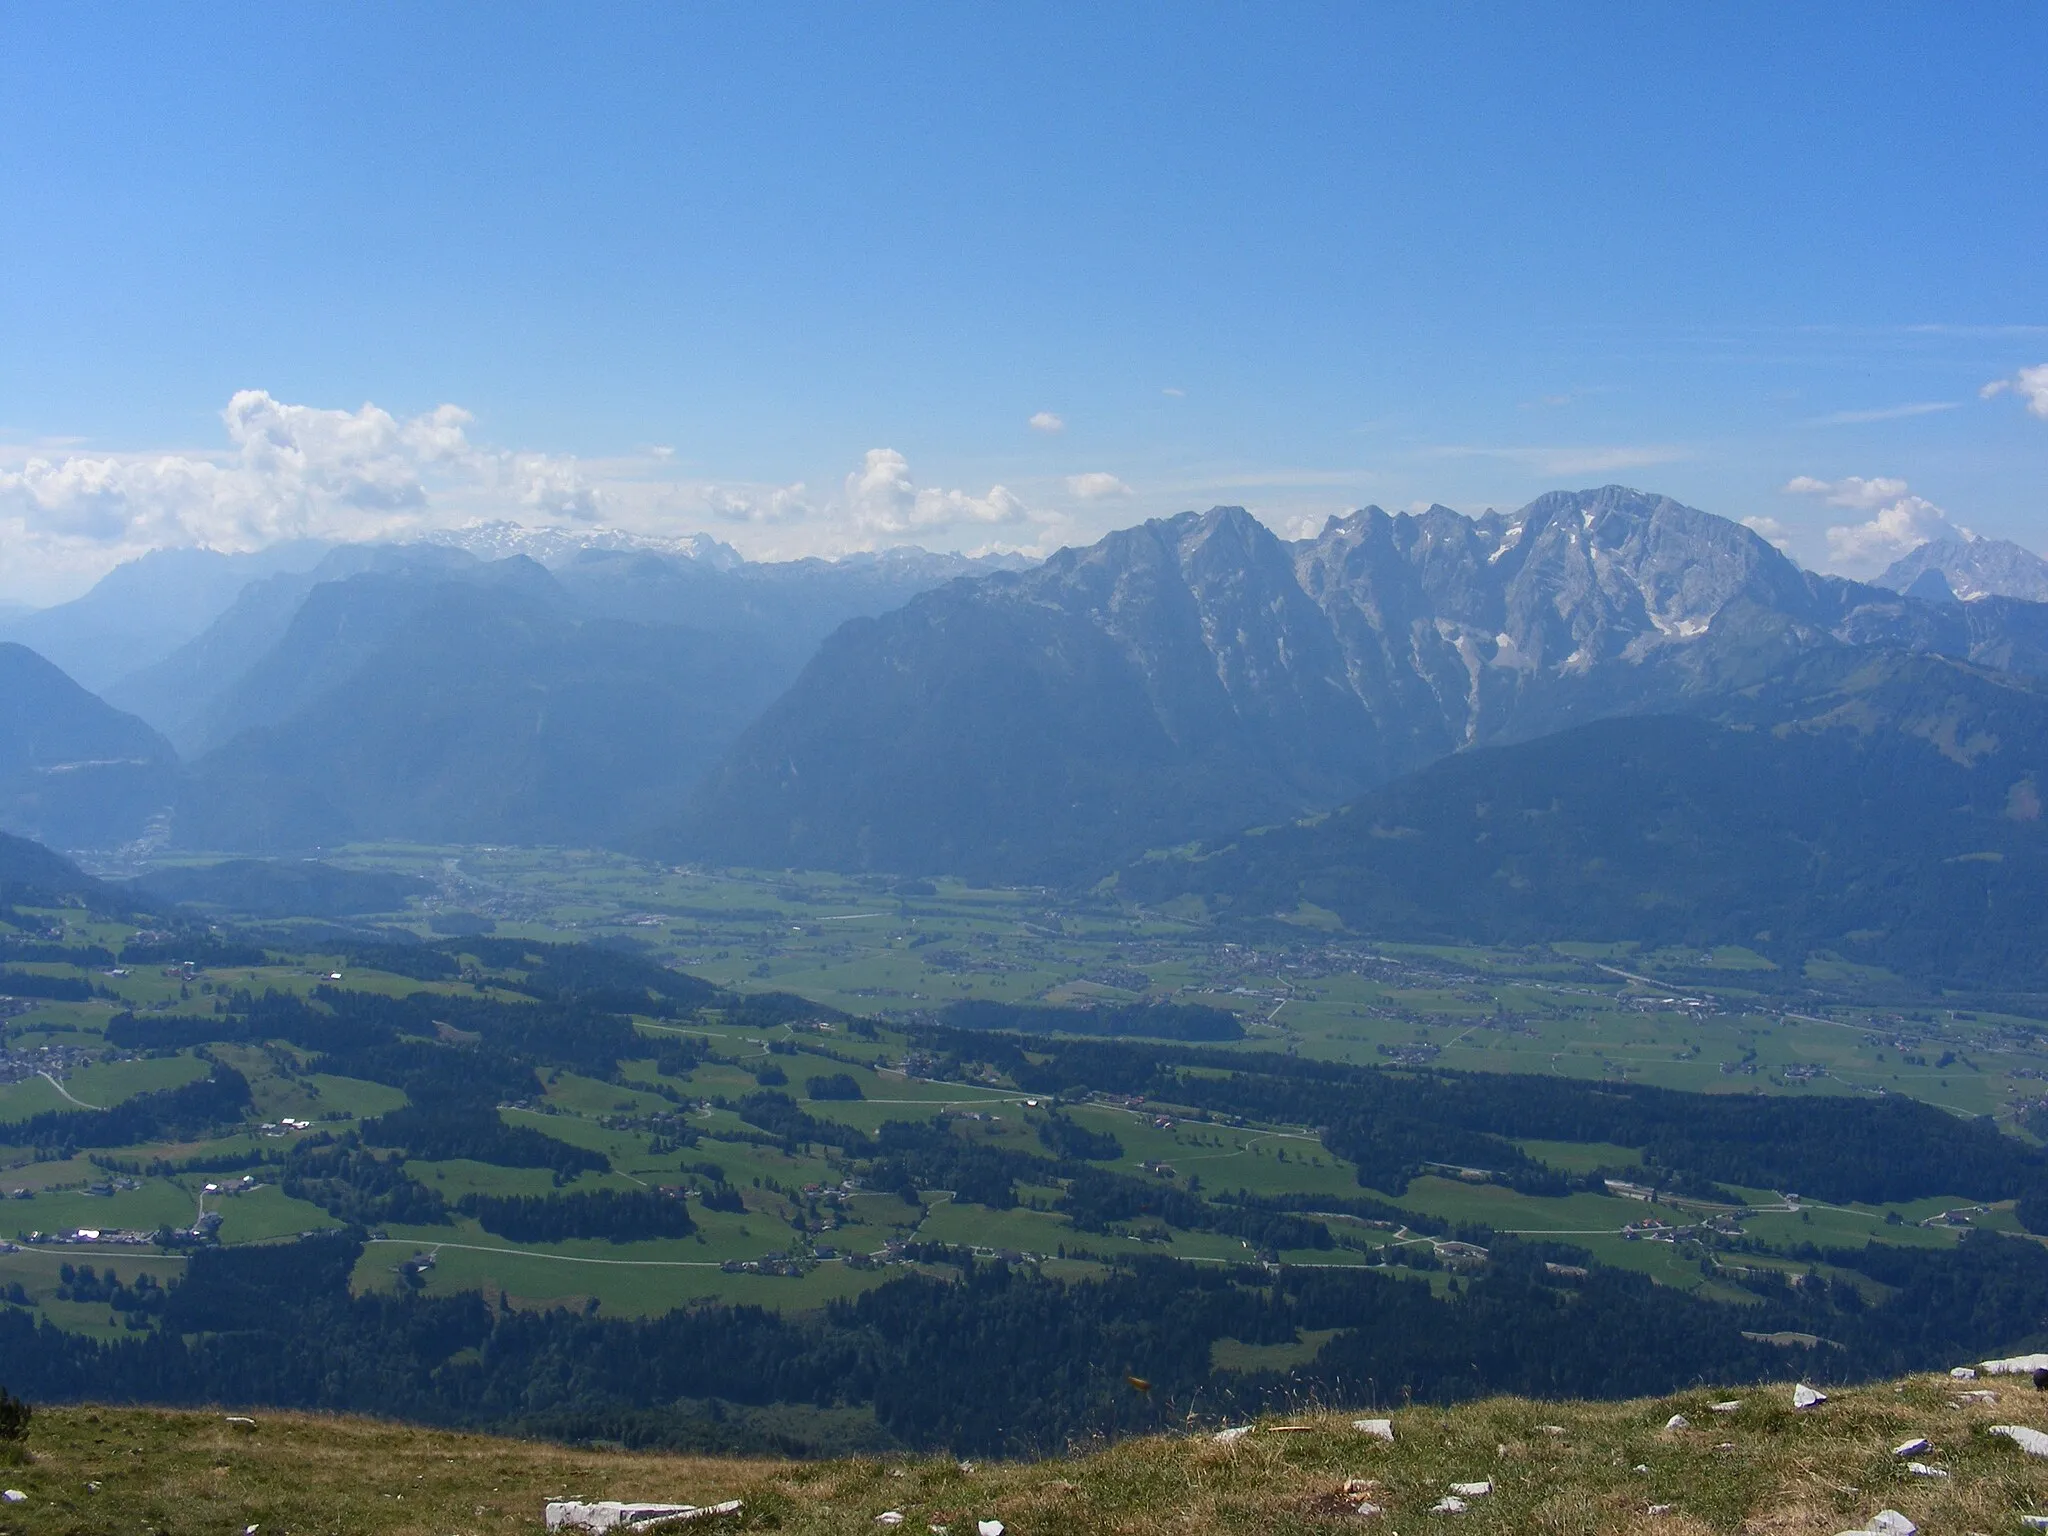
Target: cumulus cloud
(1769,529)
(2030,384)
(1046,421)
(1850,491)
(1096,485)
(1899,522)
(882,498)
(763,506)
(289,471)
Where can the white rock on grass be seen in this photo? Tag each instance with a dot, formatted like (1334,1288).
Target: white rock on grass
(13,1496)
(889,1517)
(1981,1395)
(617,1515)
(1804,1396)
(989,1527)
(1678,1421)
(1963,1373)
(1449,1505)
(1912,1447)
(1232,1435)
(1889,1522)
(2018,1365)
(1921,1469)
(1728,1407)
(2035,1522)
(1662,1509)
(2032,1441)
(1478,1490)
(1380,1429)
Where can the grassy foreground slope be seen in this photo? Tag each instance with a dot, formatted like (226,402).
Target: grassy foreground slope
(1555,1468)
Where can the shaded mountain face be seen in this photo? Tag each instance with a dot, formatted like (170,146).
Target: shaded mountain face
(31,873)
(74,771)
(1197,674)
(420,693)
(1891,812)
(465,711)
(141,611)
(1972,568)
(202,693)
(287,637)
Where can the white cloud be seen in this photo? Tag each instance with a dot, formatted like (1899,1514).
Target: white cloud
(1886,413)
(882,498)
(290,471)
(2032,383)
(1178,394)
(553,488)
(1047,421)
(1900,522)
(1096,485)
(771,506)
(1850,491)
(1769,529)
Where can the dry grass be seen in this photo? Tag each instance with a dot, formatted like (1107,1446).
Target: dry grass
(1762,1469)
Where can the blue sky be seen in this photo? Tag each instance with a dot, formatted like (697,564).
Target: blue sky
(803,277)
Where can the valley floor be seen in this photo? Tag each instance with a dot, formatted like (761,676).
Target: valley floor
(1554,1468)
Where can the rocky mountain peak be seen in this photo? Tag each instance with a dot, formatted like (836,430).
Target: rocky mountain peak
(1973,568)
(1199,669)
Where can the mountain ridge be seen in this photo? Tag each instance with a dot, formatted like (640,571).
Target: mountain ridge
(74,770)
(1197,674)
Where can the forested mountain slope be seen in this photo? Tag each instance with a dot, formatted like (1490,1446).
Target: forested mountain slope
(1894,816)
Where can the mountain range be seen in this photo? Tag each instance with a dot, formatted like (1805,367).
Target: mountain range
(143,610)
(1605,712)
(428,691)
(1195,675)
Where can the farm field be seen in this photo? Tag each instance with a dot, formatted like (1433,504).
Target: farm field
(797,1225)
(1703,1021)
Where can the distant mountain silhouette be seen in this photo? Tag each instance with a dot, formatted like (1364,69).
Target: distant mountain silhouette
(141,611)
(422,693)
(1972,568)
